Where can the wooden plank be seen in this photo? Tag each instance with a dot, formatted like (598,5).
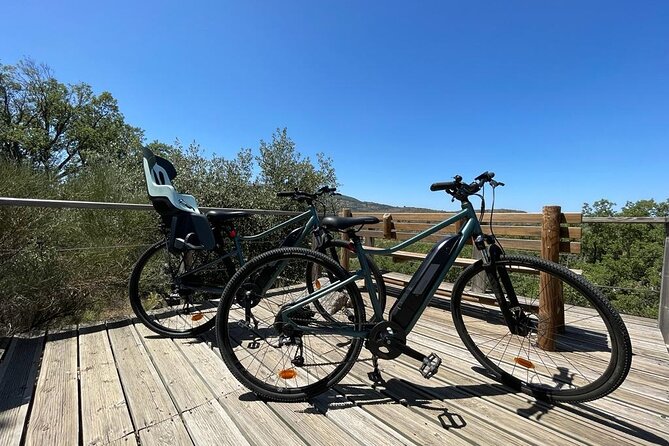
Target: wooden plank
(419,227)
(148,399)
(519,230)
(498,217)
(570,232)
(647,388)
(481,416)
(405,413)
(207,362)
(104,412)
(128,440)
(16,385)
(209,424)
(570,247)
(358,421)
(418,256)
(237,400)
(267,426)
(54,416)
(457,357)
(180,378)
(524,245)
(311,424)
(170,432)
(580,428)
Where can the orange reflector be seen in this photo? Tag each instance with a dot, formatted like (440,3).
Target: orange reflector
(524,363)
(288,373)
(196,317)
(318,284)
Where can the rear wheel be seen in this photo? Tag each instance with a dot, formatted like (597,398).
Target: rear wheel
(580,354)
(171,301)
(280,354)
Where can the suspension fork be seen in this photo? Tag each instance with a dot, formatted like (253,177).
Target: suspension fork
(500,282)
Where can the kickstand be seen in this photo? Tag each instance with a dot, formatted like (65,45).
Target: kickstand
(375,375)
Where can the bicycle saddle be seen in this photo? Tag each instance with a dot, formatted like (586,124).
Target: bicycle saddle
(218,217)
(341,223)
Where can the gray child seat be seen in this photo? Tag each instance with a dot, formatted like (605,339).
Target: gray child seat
(189,228)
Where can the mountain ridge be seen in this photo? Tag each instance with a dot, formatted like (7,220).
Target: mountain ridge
(346,201)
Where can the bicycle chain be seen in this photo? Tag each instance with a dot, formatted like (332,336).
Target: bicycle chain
(319,364)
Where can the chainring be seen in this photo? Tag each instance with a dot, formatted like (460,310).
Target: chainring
(249,293)
(381,338)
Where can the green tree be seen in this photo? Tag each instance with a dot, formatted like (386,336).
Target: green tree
(56,127)
(626,259)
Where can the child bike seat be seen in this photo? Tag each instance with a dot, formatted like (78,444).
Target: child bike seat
(159,174)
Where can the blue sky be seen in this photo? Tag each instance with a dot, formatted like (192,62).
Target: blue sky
(567,102)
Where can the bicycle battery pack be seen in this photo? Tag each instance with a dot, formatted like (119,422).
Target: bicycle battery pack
(414,297)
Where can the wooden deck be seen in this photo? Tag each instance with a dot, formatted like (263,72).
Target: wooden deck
(119,384)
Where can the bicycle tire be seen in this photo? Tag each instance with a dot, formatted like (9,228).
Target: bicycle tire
(592,351)
(330,249)
(157,302)
(258,352)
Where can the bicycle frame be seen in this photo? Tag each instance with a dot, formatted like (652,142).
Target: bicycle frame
(438,270)
(313,221)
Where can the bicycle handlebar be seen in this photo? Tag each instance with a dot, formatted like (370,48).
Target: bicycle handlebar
(461,190)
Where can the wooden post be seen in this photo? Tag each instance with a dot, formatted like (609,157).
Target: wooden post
(345,212)
(663,317)
(388,227)
(478,282)
(551,301)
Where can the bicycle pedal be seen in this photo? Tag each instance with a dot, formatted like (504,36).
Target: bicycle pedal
(430,366)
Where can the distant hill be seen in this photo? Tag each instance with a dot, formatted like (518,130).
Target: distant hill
(370,206)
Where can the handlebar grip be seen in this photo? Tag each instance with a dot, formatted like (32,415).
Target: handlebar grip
(442,186)
(285,194)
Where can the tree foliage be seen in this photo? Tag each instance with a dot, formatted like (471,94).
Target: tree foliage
(55,127)
(626,259)
(62,141)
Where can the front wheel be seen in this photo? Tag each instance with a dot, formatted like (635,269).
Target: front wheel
(580,354)
(270,338)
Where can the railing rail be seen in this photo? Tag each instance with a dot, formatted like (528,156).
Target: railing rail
(69,204)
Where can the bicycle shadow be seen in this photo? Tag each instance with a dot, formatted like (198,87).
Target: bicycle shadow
(396,391)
